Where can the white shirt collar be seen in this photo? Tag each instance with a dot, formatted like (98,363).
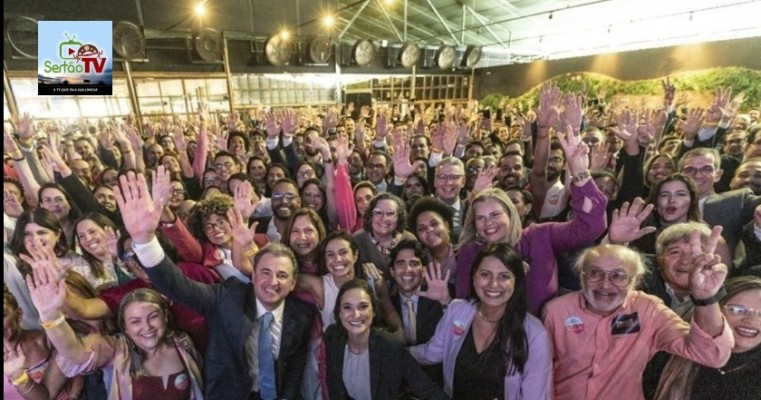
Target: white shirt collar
(277,313)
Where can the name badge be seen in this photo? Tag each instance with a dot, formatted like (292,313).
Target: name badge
(625,324)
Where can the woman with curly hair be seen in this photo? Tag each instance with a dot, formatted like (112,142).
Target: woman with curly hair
(208,237)
(383,228)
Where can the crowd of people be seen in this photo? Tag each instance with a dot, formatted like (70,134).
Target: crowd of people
(582,250)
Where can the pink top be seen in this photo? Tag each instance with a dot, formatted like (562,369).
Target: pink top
(600,357)
(348,217)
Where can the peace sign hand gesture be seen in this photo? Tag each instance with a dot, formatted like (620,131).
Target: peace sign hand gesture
(707,273)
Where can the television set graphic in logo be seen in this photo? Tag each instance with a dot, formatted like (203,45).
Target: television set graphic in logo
(75,58)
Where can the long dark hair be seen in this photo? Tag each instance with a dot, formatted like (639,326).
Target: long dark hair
(316,221)
(45,219)
(511,334)
(361,284)
(693,212)
(97,267)
(323,211)
(340,234)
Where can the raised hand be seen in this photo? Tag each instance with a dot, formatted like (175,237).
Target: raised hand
(485,179)
(437,137)
(575,151)
(24,127)
(11,205)
(288,121)
(243,234)
(547,114)
(437,284)
(646,131)
(720,103)
(403,168)
(573,109)
(669,91)
(10,145)
(271,125)
(180,142)
(599,157)
(450,138)
(626,221)
(245,199)
(330,120)
(203,111)
(141,213)
(222,140)
(707,272)
(47,285)
(692,125)
(14,359)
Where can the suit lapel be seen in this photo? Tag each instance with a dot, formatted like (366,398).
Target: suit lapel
(375,364)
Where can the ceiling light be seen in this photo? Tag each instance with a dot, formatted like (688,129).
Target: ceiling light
(285,34)
(200,9)
(328,21)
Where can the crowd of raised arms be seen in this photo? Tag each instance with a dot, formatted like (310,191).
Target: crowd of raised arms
(581,250)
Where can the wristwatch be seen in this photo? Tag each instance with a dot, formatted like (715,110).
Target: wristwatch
(711,300)
(580,176)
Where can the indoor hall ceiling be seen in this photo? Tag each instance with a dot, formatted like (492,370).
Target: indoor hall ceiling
(511,31)
(526,30)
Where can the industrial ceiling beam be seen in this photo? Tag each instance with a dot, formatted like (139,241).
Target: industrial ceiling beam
(441,19)
(353,18)
(483,23)
(388,20)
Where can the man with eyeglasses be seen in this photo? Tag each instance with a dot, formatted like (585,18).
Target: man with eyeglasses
(604,335)
(225,164)
(733,209)
(285,200)
(449,181)
(377,168)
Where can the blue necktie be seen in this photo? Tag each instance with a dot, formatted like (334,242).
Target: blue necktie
(267,390)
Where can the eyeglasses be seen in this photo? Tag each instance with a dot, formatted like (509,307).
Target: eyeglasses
(306,174)
(705,170)
(220,224)
(128,256)
(742,311)
(381,213)
(619,278)
(474,170)
(450,177)
(376,166)
(178,191)
(289,197)
(555,160)
(225,165)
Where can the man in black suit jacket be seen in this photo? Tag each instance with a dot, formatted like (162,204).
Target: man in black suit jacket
(408,259)
(232,310)
(732,210)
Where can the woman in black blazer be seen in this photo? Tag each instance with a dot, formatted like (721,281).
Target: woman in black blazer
(364,362)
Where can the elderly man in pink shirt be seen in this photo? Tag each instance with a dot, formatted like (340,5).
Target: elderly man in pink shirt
(604,335)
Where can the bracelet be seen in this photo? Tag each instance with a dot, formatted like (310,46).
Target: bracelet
(22,158)
(52,324)
(21,379)
(711,300)
(580,176)
(327,161)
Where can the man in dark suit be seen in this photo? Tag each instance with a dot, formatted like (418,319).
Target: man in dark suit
(235,367)
(423,309)
(732,210)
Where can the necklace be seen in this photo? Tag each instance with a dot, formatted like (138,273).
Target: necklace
(386,250)
(737,368)
(483,317)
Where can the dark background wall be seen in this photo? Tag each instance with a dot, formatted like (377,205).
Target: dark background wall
(170,27)
(516,79)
